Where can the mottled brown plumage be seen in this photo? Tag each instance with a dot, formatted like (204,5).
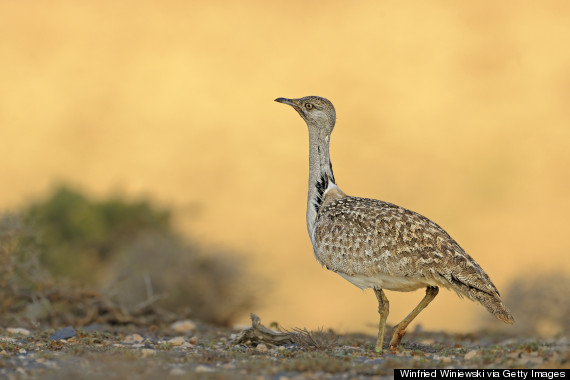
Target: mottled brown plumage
(375,244)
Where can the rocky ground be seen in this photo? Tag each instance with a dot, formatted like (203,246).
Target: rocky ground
(189,350)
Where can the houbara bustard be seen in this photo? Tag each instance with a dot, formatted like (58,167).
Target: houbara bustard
(378,245)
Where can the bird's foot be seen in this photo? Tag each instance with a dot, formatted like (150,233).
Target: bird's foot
(379,343)
(396,338)
(378,349)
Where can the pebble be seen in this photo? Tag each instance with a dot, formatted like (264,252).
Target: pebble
(261,347)
(204,368)
(183,326)
(133,338)
(64,333)
(178,341)
(18,330)
(470,355)
(193,340)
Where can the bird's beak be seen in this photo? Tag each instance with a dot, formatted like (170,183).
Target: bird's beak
(290,102)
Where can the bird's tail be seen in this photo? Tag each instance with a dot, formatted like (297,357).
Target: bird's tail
(493,303)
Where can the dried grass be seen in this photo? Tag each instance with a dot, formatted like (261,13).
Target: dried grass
(319,339)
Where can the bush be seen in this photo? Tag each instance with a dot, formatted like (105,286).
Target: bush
(208,284)
(81,236)
(126,252)
(21,276)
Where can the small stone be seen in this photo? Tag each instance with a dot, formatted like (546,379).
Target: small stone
(133,338)
(177,372)
(183,326)
(64,333)
(470,355)
(203,368)
(193,340)
(18,330)
(178,341)
(261,347)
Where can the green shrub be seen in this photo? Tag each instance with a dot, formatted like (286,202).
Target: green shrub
(81,236)
(129,251)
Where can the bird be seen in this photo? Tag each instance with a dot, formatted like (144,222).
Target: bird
(379,245)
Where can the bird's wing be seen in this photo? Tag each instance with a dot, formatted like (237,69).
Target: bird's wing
(368,237)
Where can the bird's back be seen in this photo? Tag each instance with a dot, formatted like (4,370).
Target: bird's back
(378,244)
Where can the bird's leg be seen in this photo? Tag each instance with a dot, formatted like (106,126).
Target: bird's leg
(400,328)
(383,309)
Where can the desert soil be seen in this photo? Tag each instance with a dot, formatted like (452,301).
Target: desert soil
(202,351)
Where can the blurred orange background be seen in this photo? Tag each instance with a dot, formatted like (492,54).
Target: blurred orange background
(457,110)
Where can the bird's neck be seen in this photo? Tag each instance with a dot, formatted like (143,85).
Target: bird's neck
(321,176)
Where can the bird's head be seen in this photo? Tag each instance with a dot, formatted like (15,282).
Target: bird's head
(317,112)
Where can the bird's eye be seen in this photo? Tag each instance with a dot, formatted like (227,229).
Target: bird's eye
(308,106)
